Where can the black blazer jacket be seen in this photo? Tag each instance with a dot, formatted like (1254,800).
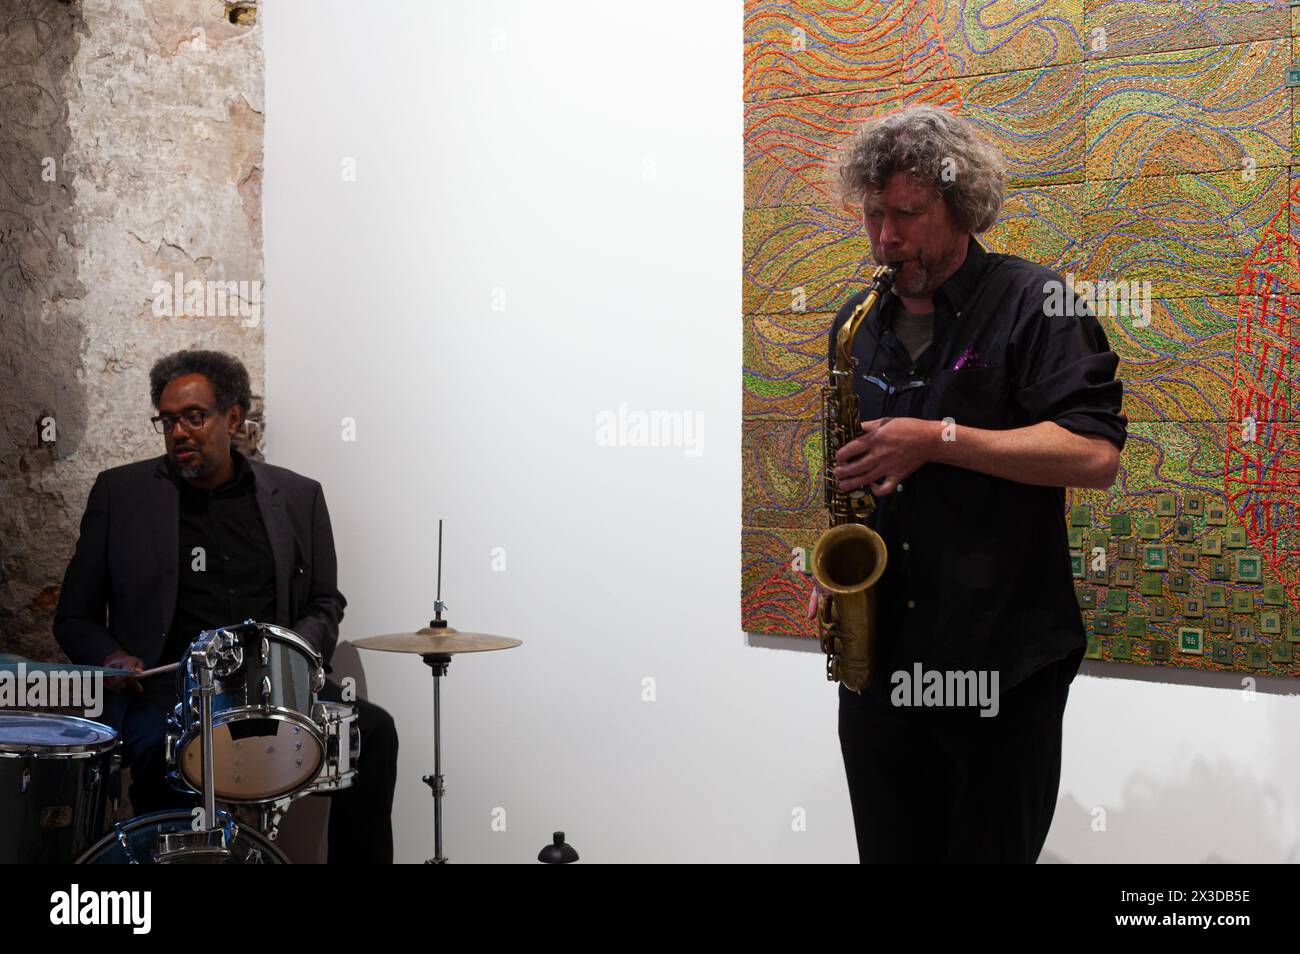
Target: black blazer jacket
(119,591)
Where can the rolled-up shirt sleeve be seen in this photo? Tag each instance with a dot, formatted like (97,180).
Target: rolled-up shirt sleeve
(1064,370)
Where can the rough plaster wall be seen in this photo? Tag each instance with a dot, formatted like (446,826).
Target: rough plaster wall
(152,113)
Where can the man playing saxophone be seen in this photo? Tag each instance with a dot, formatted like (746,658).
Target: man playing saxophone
(985,387)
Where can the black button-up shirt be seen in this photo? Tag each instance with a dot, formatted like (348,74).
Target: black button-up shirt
(227,570)
(979,572)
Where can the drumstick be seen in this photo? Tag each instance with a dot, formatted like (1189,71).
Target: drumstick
(170,667)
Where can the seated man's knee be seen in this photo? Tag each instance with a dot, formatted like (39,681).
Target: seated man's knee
(377,726)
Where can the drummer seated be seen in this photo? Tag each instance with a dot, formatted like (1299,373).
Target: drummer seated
(203,537)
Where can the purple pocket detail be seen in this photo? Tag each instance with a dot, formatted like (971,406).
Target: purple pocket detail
(970,358)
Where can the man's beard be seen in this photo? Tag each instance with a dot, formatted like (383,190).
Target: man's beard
(915,277)
(196,469)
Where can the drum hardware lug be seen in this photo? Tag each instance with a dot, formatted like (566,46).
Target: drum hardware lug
(236,651)
(26,780)
(318,681)
(115,777)
(269,817)
(266,650)
(266,688)
(180,846)
(226,653)
(120,830)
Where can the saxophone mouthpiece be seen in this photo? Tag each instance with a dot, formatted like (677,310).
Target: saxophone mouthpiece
(888,271)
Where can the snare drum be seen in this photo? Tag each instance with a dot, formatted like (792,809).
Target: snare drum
(265,743)
(338,722)
(54,782)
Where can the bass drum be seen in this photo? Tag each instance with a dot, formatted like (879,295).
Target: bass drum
(135,842)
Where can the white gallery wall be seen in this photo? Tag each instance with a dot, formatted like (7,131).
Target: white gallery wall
(487,225)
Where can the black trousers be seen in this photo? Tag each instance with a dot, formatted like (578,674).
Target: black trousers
(946,785)
(361,816)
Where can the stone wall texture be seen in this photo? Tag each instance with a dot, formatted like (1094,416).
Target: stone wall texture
(130,153)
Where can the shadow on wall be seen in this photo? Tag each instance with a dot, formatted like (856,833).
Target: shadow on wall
(1212,811)
(1216,814)
(43,416)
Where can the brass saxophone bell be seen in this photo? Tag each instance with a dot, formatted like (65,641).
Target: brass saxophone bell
(847,562)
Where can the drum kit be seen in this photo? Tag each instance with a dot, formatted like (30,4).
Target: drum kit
(248,732)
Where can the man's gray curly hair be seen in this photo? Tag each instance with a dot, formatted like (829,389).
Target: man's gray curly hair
(937,148)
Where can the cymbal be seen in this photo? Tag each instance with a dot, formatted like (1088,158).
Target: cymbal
(443,640)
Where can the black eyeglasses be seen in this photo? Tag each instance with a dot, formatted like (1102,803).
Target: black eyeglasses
(191,420)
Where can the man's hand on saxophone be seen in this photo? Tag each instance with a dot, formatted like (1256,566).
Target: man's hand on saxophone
(889,451)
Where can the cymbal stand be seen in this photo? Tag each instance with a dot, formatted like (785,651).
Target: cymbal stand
(438,663)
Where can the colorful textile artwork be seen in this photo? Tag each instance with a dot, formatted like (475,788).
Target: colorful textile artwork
(1150,150)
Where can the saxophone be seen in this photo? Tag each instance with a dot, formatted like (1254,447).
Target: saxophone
(849,558)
